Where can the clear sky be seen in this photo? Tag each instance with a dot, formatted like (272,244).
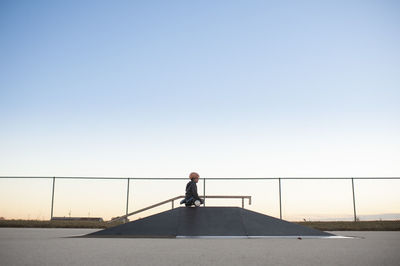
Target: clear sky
(225,88)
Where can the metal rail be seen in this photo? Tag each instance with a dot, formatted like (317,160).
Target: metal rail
(176,198)
(208,178)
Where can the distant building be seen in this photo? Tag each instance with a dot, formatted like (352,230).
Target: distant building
(93,219)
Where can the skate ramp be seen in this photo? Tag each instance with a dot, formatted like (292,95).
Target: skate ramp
(209,222)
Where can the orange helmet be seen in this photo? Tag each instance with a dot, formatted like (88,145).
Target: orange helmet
(194,175)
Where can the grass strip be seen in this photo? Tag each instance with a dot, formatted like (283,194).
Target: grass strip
(324,226)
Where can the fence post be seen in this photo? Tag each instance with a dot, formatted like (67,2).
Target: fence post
(354,200)
(204,192)
(280,200)
(52,198)
(127,196)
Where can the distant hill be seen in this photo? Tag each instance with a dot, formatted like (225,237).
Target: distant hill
(367,217)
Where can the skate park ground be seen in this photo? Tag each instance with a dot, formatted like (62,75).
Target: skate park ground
(44,246)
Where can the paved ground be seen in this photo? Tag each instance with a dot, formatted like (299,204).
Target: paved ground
(25,246)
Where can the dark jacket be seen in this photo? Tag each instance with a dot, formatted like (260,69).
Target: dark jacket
(191,191)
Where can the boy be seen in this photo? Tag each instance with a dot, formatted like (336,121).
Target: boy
(191,190)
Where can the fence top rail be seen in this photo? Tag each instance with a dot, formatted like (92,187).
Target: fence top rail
(206,178)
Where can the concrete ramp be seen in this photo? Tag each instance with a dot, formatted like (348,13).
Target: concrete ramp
(212,222)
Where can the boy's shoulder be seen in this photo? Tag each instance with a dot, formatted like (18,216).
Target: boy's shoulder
(191,182)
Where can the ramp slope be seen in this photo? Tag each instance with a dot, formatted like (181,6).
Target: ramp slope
(209,222)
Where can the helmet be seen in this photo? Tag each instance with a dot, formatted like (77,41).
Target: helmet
(193,175)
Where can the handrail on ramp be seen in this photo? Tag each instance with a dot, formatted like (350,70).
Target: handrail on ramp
(176,198)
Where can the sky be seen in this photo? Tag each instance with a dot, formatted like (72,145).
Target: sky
(224,88)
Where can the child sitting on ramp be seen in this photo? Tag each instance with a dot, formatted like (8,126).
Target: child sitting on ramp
(191,196)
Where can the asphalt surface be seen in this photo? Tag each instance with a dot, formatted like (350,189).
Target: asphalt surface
(24,246)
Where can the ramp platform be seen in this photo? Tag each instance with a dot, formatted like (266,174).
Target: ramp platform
(209,222)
